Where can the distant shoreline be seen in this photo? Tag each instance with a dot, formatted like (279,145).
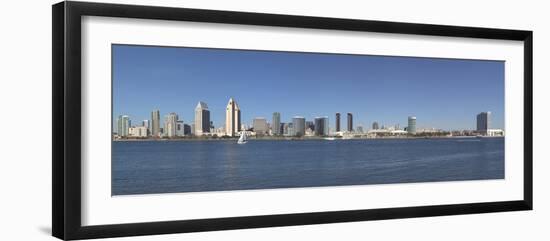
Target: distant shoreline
(296,139)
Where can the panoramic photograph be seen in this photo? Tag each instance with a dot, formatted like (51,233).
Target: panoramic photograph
(188,119)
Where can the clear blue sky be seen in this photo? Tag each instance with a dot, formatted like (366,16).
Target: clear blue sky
(441,93)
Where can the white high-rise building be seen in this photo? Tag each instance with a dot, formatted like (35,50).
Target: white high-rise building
(202,119)
(232,118)
(170,124)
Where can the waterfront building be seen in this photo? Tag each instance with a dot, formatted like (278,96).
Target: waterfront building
(202,119)
(337,122)
(187,129)
(232,118)
(147,125)
(290,129)
(359,129)
(212,128)
(137,131)
(276,124)
(494,132)
(483,121)
(310,125)
(260,126)
(321,126)
(170,122)
(285,129)
(155,123)
(123,125)
(299,126)
(411,125)
(375,126)
(350,122)
(180,128)
(309,132)
(193,129)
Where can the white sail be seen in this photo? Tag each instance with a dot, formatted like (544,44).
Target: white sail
(242,138)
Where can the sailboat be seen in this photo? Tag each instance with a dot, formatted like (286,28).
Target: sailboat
(242,139)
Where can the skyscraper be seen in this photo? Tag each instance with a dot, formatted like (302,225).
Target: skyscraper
(145,123)
(350,122)
(202,119)
(186,129)
(276,124)
(375,126)
(155,123)
(337,122)
(123,125)
(260,126)
(290,129)
(299,125)
(285,129)
(232,118)
(180,128)
(321,126)
(170,122)
(483,121)
(411,125)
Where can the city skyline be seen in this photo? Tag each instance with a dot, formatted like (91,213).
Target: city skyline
(416,91)
(174,127)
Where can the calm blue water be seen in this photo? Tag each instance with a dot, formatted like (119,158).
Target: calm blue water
(143,167)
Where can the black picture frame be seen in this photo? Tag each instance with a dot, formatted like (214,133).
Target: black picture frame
(66,127)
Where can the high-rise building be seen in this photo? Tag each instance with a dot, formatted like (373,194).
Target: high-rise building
(285,129)
(155,123)
(186,129)
(299,126)
(170,122)
(375,126)
(337,122)
(290,129)
(232,118)
(276,124)
(147,125)
(202,119)
(411,125)
(260,126)
(180,128)
(350,122)
(483,121)
(321,126)
(123,125)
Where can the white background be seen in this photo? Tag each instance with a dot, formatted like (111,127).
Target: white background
(101,208)
(25,101)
